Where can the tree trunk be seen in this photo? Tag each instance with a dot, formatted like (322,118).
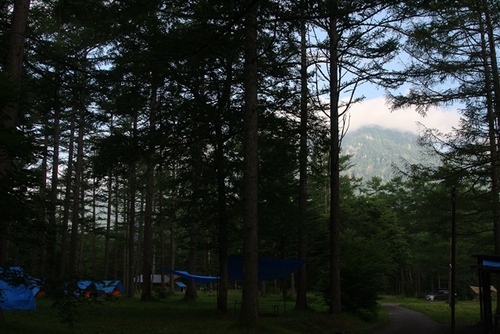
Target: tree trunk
(335,291)
(131,223)
(67,200)
(222,220)
(249,312)
(173,236)
(148,218)
(191,292)
(75,220)
(107,235)
(52,228)
(40,266)
(220,167)
(301,301)
(9,113)
(94,228)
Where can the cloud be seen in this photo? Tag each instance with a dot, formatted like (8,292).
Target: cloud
(376,112)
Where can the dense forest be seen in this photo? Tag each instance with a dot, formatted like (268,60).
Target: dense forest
(143,132)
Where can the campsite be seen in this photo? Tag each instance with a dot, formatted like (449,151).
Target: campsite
(155,155)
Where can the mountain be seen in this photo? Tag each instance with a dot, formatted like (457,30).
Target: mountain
(375,151)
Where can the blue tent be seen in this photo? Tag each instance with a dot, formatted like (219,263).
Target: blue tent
(110,287)
(86,288)
(16,290)
(268,268)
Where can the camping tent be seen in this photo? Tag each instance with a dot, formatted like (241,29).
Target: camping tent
(16,290)
(86,288)
(110,288)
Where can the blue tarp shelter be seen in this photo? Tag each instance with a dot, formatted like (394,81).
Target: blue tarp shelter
(16,290)
(190,277)
(269,269)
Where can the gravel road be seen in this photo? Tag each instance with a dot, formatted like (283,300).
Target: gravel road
(407,321)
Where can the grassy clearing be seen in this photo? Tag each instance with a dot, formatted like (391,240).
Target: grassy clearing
(174,315)
(467,313)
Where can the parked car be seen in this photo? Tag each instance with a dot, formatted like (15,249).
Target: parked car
(440,294)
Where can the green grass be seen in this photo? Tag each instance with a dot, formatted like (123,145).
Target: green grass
(173,315)
(467,313)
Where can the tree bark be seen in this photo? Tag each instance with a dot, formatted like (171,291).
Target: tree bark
(76,211)
(301,301)
(220,167)
(67,200)
(131,222)
(9,113)
(147,268)
(173,237)
(107,235)
(52,232)
(249,312)
(335,290)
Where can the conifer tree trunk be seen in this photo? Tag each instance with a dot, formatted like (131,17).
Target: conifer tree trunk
(335,297)
(249,312)
(9,113)
(301,301)
(67,200)
(131,222)
(220,167)
(76,205)
(222,220)
(173,235)
(148,218)
(191,292)
(52,228)
(41,263)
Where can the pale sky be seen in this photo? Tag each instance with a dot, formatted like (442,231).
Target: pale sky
(376,112)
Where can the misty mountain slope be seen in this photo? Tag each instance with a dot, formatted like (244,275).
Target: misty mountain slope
(375,151)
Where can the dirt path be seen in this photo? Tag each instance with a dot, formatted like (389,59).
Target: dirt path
(407,321)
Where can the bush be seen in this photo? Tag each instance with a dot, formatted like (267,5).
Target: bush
(161,292)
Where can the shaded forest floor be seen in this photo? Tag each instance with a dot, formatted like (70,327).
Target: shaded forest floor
(175,315)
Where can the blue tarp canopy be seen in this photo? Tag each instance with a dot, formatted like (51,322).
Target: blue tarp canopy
(269,268)
(16,290)
(195,278)
(108,287)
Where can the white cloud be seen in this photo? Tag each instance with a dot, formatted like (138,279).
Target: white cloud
(376,112)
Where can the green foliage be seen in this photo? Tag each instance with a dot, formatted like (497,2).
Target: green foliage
(161,292)
(364,264)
